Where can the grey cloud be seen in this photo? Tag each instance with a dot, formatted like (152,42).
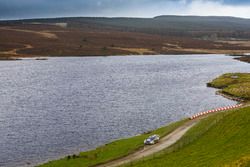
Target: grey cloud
(15,9)
(53,8)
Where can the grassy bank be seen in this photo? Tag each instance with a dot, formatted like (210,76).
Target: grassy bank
(110,151)
(219,140)
(234,84)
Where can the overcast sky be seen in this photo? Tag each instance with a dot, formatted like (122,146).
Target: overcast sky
(18,9)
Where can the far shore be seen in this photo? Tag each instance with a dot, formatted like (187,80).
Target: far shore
(22,58)
(240,57)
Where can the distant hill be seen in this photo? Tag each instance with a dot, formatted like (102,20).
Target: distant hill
(194,26)
(98,36)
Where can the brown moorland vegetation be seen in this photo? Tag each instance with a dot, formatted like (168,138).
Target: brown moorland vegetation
(29,38)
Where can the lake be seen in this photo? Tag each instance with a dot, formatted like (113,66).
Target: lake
(49,109)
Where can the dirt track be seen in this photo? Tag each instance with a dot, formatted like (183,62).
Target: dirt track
(149,150)
(44,34)
(13,52)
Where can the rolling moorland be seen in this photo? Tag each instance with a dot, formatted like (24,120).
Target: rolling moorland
(85,36)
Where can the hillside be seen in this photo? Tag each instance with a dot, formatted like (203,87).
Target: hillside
(192,26)
(86,36)
(220,140)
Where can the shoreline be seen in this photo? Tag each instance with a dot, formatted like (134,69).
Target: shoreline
(165,130)
(6,58)
(10,58)
(103,164)
(241,58)
(230,97)
(22,58)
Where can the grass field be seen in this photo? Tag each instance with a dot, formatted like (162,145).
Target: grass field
(110,151)
(234,84)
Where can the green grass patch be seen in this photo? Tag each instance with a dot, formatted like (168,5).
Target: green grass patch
(234,84)
(218,140)
(110,151)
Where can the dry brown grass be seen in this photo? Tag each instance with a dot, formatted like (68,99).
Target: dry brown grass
(242,162)
(243,43)
(51,40)
(138,51)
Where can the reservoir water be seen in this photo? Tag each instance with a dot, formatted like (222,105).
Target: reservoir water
(49,109)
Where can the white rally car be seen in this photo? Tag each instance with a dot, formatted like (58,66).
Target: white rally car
(152,140)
